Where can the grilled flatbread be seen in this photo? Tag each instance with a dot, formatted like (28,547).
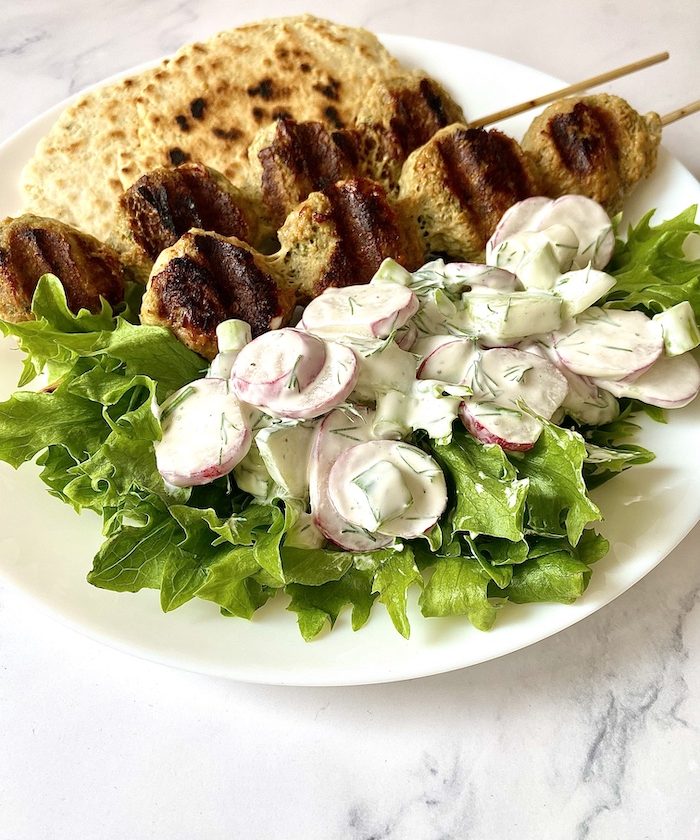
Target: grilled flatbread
(204,104)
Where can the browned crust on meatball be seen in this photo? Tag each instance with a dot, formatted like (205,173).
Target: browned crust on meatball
(339,237)
(301,159)
(458,185)
(31,246)
(597,146)
(165,203)
(205,279)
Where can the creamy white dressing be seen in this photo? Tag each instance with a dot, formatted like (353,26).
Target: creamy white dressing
(501,346)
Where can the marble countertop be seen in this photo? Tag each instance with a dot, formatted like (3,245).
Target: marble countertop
(594,733)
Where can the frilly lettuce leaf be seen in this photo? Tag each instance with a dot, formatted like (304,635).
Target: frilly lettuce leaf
(392,580)
(459,586)
(651,268)
(319,606)
(489,498)
(557,501)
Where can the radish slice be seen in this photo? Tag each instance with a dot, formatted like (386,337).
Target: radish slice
(609,343)
(406,336)
(491,423)
(585,402)
(671,382)
(338,432)
(388,487)
(277,361)
(370,310)
(206,432)
(294,394)
(521,216)
(451,361)
(589,222)
(508,377)
(504,379)
(427,344)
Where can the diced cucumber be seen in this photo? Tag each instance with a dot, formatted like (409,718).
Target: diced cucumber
(581,288)
(251,475)
(391,272)
(680,331)
(232,335)
(500,316)
(285,450)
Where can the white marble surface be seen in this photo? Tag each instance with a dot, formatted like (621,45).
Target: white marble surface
(592,734)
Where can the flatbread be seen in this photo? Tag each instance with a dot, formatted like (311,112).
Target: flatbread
(204,104)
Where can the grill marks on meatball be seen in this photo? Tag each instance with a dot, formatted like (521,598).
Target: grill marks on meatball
(165,203)
(485,172)
(31,246)
(418,112)
(206,279)
(367,230)
(459,184)
(301,159)
(596,145)
(339,237)
(585,138)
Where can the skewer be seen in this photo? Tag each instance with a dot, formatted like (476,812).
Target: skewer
(679,113)
(583,85)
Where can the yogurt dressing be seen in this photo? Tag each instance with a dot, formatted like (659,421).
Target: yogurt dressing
(324,413)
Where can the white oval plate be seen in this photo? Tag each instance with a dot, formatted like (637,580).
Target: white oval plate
(46,550)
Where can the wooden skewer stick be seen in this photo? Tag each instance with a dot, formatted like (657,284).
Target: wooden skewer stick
(557,94)
(679,113)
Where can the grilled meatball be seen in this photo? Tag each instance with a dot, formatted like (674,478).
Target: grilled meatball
(31,246)
(290,160)
(340,236)
(597,146)
(165,203)
(205,279)
(397,116)
(458,185)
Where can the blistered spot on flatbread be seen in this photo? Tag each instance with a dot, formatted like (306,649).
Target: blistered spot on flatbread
(332,116)
(197,107)
(177,156)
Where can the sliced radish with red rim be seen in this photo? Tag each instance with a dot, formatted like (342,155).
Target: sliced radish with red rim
(609,343)
(671,382)
(339,431)
(206,432)
(388,487)
(374,310)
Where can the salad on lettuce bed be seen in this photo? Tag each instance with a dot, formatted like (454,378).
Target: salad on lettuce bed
(517,522)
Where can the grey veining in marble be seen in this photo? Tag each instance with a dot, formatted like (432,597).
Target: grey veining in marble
(593,734)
